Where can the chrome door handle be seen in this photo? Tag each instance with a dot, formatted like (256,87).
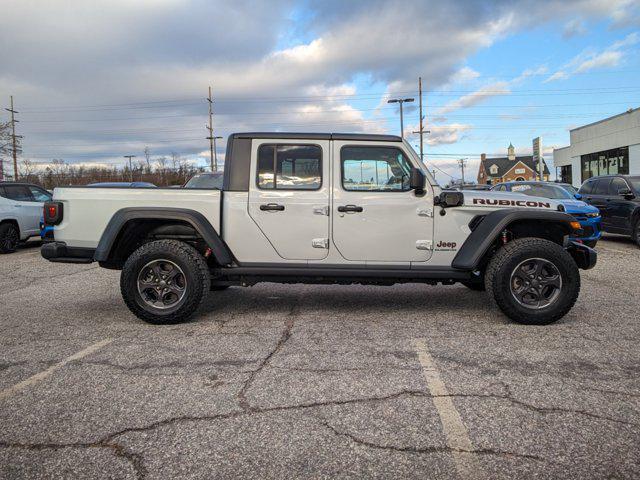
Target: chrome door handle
(271,207)
(349,208)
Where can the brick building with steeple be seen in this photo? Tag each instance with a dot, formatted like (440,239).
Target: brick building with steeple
(509,168)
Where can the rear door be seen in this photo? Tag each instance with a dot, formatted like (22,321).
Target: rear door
(375,216)
(289,196)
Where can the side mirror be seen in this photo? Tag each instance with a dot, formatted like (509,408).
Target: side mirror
(416,181)
(578,196)
(450,199)
(626,193)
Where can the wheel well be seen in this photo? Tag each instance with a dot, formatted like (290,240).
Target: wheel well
(137,232)
(13,222)
(552,231)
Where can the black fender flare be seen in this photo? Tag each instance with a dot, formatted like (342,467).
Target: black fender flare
(481,239)
(198,221)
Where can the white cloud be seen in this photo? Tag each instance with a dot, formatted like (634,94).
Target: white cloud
(590,59)
(479,96)
(574,28)
(601,60)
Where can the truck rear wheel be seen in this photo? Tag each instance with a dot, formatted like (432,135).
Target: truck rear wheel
(9,238)
(164,282)
(533,281)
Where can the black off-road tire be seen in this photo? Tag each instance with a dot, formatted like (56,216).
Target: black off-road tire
(9,238)
(509,257)
(196,276)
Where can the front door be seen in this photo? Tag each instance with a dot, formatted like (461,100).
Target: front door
(376,217)
(289,196)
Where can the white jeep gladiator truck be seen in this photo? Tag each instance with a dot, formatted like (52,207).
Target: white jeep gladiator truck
(320,208)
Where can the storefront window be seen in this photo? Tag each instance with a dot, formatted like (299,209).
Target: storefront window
(565,174)
(609,162)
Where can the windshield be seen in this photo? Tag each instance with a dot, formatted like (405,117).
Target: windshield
(570,188)
(635,183)
(541,190)
(207,180)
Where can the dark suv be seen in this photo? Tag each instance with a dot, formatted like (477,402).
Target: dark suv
(618,199)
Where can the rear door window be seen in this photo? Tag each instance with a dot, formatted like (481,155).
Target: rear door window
(19,193)
(289,167)
(616,185)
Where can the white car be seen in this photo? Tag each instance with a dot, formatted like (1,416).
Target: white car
(20,213)
(321,208)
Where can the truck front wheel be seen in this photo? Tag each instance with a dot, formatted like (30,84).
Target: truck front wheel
(164,282)
(533,281)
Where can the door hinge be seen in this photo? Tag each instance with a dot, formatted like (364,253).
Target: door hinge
(320,243)
(424,245)
(321,210)
(425,212)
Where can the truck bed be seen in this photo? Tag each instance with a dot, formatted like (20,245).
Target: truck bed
(87,210)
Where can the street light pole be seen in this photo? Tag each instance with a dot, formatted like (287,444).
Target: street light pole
(401,101)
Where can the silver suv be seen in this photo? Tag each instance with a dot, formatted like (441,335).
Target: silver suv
(20,212)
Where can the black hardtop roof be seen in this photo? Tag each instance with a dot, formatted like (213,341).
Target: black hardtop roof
(319,136)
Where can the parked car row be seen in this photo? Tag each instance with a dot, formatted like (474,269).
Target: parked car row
(616,198)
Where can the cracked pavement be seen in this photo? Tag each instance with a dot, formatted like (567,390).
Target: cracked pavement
(303,381)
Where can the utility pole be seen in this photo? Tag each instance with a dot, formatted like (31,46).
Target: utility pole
(462,163)
(211,137)
(130,166)
(401,101)
(215,151)
(14,140)
(433,172)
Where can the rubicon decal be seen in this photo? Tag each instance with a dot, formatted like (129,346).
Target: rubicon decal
(511,203)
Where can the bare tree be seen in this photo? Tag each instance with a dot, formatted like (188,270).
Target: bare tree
(27,169)
(147,157)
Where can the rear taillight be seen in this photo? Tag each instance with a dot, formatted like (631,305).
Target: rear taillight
(52,213)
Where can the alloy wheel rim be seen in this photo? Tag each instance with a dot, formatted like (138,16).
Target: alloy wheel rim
(535,283)
(10,239)
(161,284)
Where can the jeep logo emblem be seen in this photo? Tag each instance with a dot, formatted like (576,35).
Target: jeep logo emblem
(442,244)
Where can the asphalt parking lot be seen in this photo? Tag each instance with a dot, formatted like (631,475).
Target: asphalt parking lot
(278,381)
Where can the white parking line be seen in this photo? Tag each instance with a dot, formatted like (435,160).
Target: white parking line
(45,373)
(455,432)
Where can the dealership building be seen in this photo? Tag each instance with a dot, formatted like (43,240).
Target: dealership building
(605,147)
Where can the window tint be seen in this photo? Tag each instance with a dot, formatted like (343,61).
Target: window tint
(587,188)
(616,185)
(205,180)
(601,187)
(297,167)
(19,193)
(40,195)
(374,169)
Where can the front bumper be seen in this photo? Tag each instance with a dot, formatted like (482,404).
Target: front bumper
(591,229)
(59,252)
(584,256)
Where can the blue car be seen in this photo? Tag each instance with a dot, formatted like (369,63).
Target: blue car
(588,215)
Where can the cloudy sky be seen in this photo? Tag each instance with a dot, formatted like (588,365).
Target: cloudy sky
(95,80)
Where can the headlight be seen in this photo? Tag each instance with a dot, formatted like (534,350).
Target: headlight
(593,215)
